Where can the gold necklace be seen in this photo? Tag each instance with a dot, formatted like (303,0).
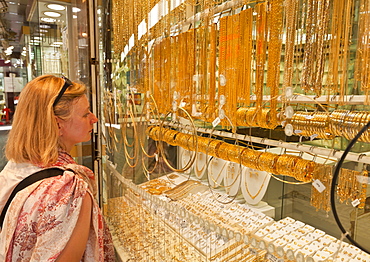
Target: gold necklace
(210,174)
(259,190)
(228,186)
(198,172)
(273,63)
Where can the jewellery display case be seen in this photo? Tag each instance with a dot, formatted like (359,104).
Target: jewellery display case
(228,127)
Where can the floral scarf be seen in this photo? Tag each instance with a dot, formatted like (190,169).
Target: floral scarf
(41,218)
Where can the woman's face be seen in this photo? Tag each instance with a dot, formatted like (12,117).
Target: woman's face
(79,126)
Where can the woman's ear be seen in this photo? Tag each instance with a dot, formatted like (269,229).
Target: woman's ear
(59,123)
(58,120)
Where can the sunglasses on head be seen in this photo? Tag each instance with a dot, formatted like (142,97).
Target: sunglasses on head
(67,83)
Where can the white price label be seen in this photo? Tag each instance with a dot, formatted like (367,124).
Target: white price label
(355,202)
(216,122)
(156,157)
(182,104)
(253,251)
(270,257)
(318,185)
(297,131)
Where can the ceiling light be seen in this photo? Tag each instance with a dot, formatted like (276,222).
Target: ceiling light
(75,9)
(52,14)
(48,19)
(44,26)
(56,7)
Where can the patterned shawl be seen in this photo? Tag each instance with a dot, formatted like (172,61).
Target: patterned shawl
(47,212)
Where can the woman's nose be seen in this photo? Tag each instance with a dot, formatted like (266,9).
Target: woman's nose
(94,119)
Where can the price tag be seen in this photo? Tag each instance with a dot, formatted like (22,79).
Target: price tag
(222,100)
(297,131)
(224,233)
(270,257)
(355,202)
(308,117)
(183,223)
(254,242)
(216,122)
(221,114)
(174,106)
(222,79)
(288,92)
(253,251)
(175,95)
(289,112)
(271,248)
(218,230)
(231,234)
(300,257)
(238,237)
(280,251)
(318,185)
(156,157)
(262,245)
(290,254)
(182,104)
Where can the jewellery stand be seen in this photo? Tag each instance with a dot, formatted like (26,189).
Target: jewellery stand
(185,156)
(254,185)
(232,178)
(216,172)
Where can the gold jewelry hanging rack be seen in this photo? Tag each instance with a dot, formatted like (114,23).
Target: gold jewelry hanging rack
(320,151)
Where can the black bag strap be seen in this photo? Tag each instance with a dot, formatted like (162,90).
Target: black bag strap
(42,174)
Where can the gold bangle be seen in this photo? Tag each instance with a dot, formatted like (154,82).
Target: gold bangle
(213,147)
(241,116)
(222,151)
(234,153)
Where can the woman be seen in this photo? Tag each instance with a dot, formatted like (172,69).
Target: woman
(55,219)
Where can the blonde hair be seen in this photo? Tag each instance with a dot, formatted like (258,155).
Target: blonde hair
(34,136)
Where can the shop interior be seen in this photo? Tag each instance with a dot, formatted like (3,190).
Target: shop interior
(228,130)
